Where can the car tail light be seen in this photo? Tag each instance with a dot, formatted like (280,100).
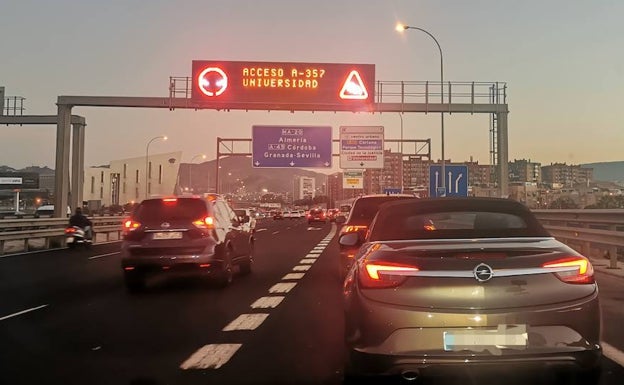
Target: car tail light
(205,223)
(70,230)
(130,225)
(381,275)
(581,270)
(170,201)
(352,229)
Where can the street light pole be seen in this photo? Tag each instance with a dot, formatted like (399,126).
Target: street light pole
(190,165)
(147,160)
(400,28)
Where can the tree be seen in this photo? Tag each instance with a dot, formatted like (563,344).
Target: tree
(563,203)
(609,202)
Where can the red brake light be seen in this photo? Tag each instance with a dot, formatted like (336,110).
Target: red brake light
(381,275)
(204,223)
(573,270)
(70,230)
(130,225)
(170,201)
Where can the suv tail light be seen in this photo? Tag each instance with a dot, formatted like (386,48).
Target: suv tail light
(580,270)
(352,229)
(204,223)
(382,275)
(130,225)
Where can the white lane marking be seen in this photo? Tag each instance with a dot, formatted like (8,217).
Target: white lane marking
(210,356)
(283,287)
(293,276)
(301,268)
(307,261)
(312,255)
(612,353)
(259,230)
(275,232)
(319,248)
(267,302)
(246,322)
(104,255)
(323,243)
(316,252)
(314,229)
(22,312)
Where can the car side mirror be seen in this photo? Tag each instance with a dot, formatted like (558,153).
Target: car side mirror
(350,239)
(340,219)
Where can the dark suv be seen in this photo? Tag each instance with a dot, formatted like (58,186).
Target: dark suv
(360,217)
(186,235)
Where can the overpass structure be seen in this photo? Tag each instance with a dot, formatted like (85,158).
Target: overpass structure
(390,97)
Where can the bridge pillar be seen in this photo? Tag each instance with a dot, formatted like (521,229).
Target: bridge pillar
(61,170)
(503,154)
(77,165)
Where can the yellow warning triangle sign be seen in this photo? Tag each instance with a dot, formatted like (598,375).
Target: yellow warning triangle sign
(354,87)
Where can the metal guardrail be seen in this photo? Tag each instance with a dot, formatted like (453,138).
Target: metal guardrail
(50,229)
(590,230)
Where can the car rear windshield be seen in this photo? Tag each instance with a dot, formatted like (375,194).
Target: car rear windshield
(316,211)
(455,220)
(365,209)
(179,209)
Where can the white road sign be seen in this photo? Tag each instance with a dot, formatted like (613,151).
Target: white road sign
(361,147)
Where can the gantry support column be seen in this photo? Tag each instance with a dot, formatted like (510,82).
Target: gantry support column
(61,170)
(503,154)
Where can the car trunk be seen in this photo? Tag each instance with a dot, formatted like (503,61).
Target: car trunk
(446,280)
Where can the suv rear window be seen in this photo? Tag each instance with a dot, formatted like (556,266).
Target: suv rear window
(316,211)
(365,209)
(161,209)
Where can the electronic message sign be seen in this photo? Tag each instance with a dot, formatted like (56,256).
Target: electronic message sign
(283,85)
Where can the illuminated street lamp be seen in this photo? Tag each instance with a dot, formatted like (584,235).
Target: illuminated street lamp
(147,160)
(203,156)
(401,28)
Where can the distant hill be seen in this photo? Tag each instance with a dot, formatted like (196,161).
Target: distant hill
(255,179)
(45,170)
(607,171)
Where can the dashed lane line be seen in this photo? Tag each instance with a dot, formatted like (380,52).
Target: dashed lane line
(211,356)
(316,252)
(312,256)
(307,261)
(290,276)
(103,255)
(246,322)
(282,287)
(260,230)
(267,302)
(22,312)
(275,232)
(302,268)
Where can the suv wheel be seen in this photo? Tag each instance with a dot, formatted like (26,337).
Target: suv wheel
(245,267)
(225,276)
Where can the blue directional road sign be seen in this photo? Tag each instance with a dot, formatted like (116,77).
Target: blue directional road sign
(456,180)
(292,146)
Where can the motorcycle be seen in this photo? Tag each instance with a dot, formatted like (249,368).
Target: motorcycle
(75,235)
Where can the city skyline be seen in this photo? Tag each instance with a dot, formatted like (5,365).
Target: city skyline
(556,58)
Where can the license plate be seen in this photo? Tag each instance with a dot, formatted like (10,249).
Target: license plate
(69,240)
(168,235)
(504,337)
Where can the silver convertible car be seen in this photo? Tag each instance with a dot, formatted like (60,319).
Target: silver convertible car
(447,282)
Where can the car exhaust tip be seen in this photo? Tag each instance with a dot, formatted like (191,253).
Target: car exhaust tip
(410,375)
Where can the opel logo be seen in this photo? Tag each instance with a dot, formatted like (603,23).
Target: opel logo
(165,225)
(483,272)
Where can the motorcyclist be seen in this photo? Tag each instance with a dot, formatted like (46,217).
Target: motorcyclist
(79,220)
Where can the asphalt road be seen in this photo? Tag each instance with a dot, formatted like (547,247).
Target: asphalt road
(65,318)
